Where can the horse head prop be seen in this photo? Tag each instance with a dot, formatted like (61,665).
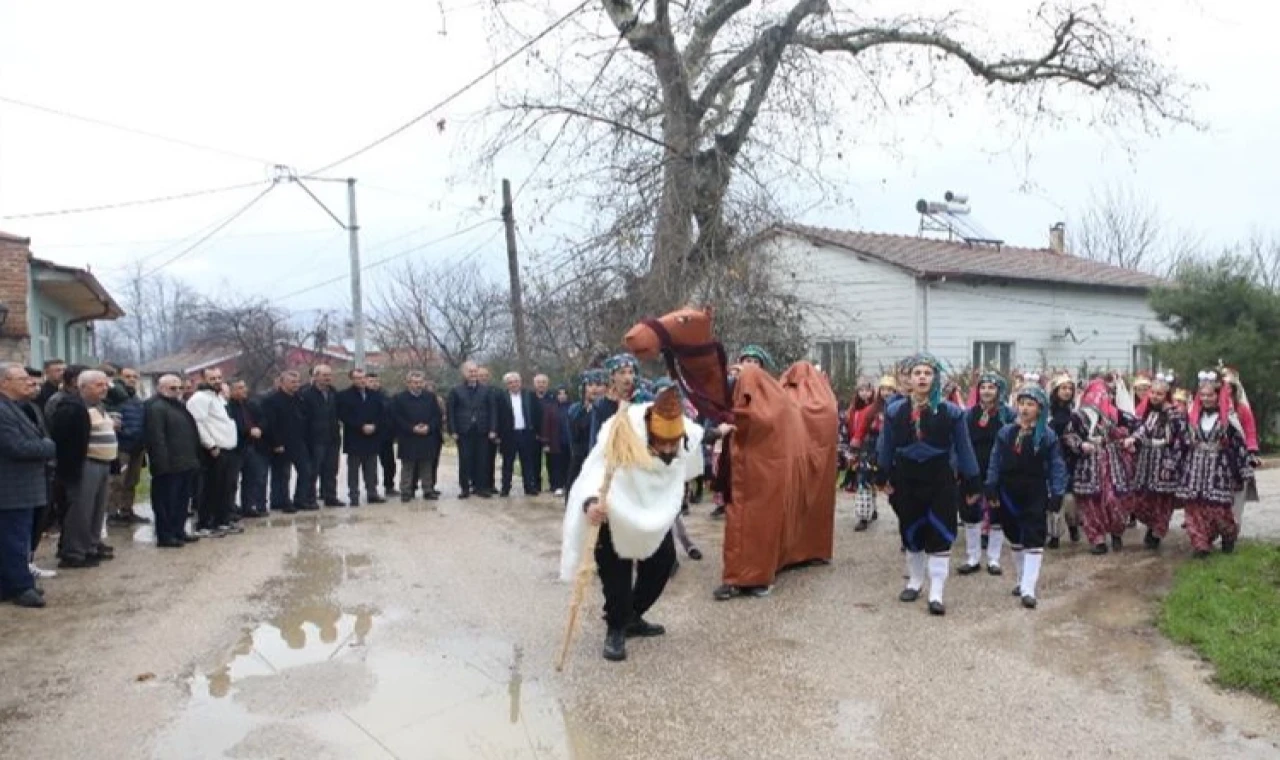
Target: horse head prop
(685,340)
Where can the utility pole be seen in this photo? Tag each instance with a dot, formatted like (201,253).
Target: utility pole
(357,297)
(513,267)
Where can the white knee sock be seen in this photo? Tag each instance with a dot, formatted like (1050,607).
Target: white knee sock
(1019,560)
(915,570)
(1030,572)
(995,542)
(939,567)
(973,543)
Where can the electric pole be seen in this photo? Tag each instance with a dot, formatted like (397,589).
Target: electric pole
(357,297)
(513,267)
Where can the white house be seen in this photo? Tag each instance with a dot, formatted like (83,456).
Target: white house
(871,299)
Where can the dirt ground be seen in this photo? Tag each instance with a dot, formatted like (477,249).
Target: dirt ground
(426,631)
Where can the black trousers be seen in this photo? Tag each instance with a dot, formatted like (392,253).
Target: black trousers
(254,467)
(473,456)
(538,459)
(490,464)
(283,466)
(169,496)
(575,468)
(324,468)
(387,455)
(218,489)
(523,446)
(558,469)
(624,599)
(925,496)
(356,465)
(1023,508)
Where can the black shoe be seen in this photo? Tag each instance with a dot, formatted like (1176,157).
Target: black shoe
(435,494)
(289,510)
(1228,546)
(725,592)
(968,569)
(104,551)
(615,645)
(68,563)
(353,503)
(137,519)
(1029,602)
(170,543)
(1054,543)
(994,569)
(334,503)
(308,507)
(937,608)
(255,513)
(861,526)
(464,494)
(909,595)
(1198,554)
(695,553)
(1098,550)
(684,509)
(505,493)
(717,512)
(376,500)
(874,515)
(1017,591)
(119,520)
(485,494)
(644,629)
(1117,543)
(1074,532)
(30,598)
(187,538)
(431,496)
(1151,540)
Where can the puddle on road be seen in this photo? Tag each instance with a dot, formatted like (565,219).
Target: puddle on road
(317,681)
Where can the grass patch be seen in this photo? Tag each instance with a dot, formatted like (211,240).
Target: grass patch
(1228,609)
(143,494)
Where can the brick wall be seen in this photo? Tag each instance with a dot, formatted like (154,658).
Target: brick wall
(14,276)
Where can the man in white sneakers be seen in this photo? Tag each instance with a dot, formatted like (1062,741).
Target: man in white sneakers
(219,462)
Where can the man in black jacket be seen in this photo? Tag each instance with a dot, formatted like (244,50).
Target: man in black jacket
(519,425)
(24,450)
(418,431)
(363,414)
(287,438)
(473,424)
(492,447)
(173,450)
(252,449)
(387,443)
(86,440)
(324,434)
(53,371)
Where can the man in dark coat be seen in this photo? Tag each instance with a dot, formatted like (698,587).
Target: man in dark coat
(53,371)
(173,450)
(87,448)
(324,434)
(387,435)
(123,485)
(24,450)
(519,426)
(287,438)
(545,398)
(555,439)
(493,446)
(255,457)
(473,424)
(419,433)
(363,414)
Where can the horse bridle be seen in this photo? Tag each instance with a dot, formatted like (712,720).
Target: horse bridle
(671,352)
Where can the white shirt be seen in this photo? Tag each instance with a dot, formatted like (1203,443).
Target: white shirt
(1207,421)
(215,426)
(517,410)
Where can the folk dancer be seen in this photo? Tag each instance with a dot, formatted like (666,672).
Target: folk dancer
(864,439)
(621,370)
(920,437)
(1062,407)
(986,416)
(1215,465)
(1156,472)
(578,420)
(1248,425)
(1026,479)
(640,508)
(1101,481)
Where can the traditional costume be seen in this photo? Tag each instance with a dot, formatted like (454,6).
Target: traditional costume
(1156,470)
(1061,412)
(607,406)
(920,438)
(864,437)
(1249,427)
(578,421)
(759,355)
(634,552)
(1027,478)
(1215,465)
(984,420)
(1101,483)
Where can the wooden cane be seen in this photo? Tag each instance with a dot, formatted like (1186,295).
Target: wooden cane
(582,578)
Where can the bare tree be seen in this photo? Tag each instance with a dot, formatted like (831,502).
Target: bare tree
(1120,228)
(254,329)
(1263,251)
(159,308)
(428,313)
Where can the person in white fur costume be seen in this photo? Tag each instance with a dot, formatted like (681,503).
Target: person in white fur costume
(637,513)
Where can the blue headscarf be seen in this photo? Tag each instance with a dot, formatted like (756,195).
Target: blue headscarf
(644,392)
(996,379)
(593,376)
(928,360)
(1037,394)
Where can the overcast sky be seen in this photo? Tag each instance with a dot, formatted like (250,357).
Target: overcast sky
(303,83)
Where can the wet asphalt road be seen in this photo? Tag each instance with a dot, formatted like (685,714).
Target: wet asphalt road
(418,632)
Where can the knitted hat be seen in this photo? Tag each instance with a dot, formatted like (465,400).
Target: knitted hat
(665,418)
(619,361)
(753,351)
(644,391)
(594,376)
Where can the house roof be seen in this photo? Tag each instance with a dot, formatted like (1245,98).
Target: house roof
(77,290)
(191,360)
(11,238)
(927,257)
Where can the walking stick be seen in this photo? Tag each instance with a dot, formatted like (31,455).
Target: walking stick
(622,449)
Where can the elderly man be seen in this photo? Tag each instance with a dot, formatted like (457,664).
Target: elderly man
(173,447)
(252,449)
(386,437)
(545,398)
(287,437)
(219,457)
(324,434)
(472,424)
(519,424)
(363,414)
(24,450)
(86,439)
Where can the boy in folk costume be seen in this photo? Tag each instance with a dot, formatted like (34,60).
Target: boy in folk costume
(1027,478)
(988,413)
(1095,438)
(1062,408)
(921,435)
(1215,465)
(578,420)
(1156,473)
(634,552)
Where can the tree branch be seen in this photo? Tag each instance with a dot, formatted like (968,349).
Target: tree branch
(705,31)
(571,111)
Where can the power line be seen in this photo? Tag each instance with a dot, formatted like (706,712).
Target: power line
(126,204)
(153,241)
(457,93)
(387,259)
(136,131)
(218,228)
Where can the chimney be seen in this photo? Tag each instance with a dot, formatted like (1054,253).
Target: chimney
(1058,239)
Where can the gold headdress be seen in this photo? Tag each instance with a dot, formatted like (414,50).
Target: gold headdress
(665,419)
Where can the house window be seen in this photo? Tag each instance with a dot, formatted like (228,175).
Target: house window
(48,337)
(1144,358)
(839,359)
(993,355)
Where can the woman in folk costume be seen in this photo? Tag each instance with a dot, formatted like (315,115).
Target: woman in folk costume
(1062,408)
(1142,384)
(921,436)
(1101,486)
(1027,477)
(1215,465)
(1249,427)
(1156,472)
(634,552)
(864,434)
(987,414)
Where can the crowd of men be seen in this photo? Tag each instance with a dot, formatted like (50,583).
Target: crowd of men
(74,442)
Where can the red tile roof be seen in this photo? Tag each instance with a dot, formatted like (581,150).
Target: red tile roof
(927,257)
